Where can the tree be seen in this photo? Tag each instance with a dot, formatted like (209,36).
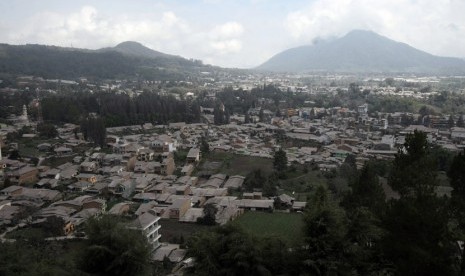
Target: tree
(47,131)
(247,118)
(270,186)
(254,179)
(418,240)
(280,160)
(414,172)
(325,229)
(225,251)
(228,250)
(204,146)
(209,214)
(114,249)
(460,122)
(450,121)
(93,129)
(261,115)
(456,176)
(366,192)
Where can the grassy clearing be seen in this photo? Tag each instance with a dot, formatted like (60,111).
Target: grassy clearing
(175,231)
(301,184)
(27,233)
(287,226)
(233,164)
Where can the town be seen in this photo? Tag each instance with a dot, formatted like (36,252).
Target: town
(161,177)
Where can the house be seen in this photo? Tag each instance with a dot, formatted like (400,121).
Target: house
(145,155)
(214,182)
(60,151)
(179,208)
(254,195)
(148,224)
(24,175)
(187,170)
(144,197)
(171,252)
(89,167)
(47,183)
(124,188)
(192,214)
(94,203)
(255,204)
(88,177)
(44,147)
(11,190)
(284,201)
(75,203)
(193,156)
(457,134)
(46,195)
(164,143)
(121,208)
(79,186)
(234,182)
(298,206)
(167,166)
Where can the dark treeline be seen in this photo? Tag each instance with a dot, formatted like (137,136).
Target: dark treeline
(120,109)
(365,231)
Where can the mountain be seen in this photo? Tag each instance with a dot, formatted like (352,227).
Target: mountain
(133,48)
(361,51)
(126,60)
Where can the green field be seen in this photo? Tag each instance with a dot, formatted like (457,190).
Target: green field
(174,231)
(287,226)
(233,164)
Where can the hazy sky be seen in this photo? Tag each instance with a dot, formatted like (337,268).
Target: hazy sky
(231,33)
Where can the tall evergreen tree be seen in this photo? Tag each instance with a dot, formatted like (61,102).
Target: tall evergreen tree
(460,122)
(280,160)
(456,175)
(418,240)
(325,229)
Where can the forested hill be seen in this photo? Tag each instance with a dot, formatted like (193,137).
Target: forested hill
(126,60)
(362,51)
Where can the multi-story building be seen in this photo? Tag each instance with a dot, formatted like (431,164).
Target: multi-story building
(148,224)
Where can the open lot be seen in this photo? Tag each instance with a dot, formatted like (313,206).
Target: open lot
(287,226)
(173,230)
(233,164)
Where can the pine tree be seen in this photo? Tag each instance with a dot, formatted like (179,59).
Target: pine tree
(280,160)
(460,122)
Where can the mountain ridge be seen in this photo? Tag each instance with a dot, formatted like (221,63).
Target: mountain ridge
(135,48)
(361,51)
(127,59)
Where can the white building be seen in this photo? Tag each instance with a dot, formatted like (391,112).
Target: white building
(148,224)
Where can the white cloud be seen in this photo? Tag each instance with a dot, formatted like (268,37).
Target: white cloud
(235,33)
(227,46)
(165,31)
(227,30)
(436,26)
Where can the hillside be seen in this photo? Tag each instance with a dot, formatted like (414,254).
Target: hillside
(361,51)
(126,60)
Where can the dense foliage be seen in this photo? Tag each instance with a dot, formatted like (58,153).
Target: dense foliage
(56,62)
(114,249)
(365,233)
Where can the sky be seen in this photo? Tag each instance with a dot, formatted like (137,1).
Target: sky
(231,33)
